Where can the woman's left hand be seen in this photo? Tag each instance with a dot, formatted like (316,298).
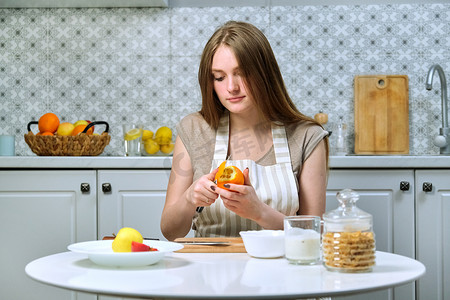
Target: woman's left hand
(242,199)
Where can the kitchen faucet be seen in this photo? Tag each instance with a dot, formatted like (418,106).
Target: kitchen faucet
(443,139)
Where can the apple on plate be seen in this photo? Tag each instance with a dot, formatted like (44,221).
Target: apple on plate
(124,238)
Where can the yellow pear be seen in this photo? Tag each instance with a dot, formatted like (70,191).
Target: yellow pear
(126,235)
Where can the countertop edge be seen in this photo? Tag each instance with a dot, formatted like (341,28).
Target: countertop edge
(85,162)
(165,162)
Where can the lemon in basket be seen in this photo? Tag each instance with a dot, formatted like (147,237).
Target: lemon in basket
(132,134)
(163,135)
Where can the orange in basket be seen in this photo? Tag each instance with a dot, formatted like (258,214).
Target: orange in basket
(45,133)
(49,122)
(79,128)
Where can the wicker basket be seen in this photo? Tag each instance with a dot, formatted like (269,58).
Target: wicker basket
(79,145)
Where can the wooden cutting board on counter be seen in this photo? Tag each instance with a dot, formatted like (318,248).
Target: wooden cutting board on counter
(230,245)
(381,114)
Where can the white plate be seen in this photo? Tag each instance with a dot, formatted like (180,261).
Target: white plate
(101,253)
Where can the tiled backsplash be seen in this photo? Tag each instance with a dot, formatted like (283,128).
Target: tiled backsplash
(140,65)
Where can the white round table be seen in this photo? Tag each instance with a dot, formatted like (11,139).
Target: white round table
(220,275)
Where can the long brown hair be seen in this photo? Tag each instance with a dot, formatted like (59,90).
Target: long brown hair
(260,71)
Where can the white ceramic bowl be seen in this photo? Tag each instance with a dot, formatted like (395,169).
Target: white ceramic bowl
(264,243)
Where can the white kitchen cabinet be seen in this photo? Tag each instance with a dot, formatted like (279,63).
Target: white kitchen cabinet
(433,233)
(134,199)
(131,198)
(41,213)
(393,215)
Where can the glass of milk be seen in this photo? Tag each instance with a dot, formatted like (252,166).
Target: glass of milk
(302,239)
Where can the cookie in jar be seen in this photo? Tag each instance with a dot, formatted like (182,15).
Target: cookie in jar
(348,240)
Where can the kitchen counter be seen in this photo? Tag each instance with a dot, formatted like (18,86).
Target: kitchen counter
(163,162)
(390,162)
(85,162)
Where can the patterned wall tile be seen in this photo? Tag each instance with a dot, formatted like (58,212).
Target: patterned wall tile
(140,65)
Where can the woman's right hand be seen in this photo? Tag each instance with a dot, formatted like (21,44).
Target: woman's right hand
(202,191)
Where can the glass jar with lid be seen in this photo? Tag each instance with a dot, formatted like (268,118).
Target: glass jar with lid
(348,241)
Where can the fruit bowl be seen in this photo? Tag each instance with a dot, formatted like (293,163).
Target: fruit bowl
(80,145)
(159,143)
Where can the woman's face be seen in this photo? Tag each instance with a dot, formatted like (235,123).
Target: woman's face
(228,82)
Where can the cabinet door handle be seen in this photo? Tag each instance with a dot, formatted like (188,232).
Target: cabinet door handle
(85,188)
(106,187)
(427,187)
(404,186)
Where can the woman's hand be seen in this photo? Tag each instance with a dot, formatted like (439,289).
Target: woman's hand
(242,199)
(184,195)
(201,192)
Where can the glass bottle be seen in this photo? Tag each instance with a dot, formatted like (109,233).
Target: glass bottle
(341,140)
(348,241)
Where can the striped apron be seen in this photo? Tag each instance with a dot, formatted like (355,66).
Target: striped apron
(275,185)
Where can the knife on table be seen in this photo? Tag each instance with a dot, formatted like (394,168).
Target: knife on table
(203,243)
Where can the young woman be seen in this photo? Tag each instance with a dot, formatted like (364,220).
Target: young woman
(248,119)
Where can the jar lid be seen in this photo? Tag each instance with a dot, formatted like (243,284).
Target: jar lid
(347,217)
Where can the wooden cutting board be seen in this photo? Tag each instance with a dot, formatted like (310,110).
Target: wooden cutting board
(381,114)
(234,245)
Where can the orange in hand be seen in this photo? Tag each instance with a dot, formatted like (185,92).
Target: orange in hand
(219,171)
(49,122)
(230,174)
